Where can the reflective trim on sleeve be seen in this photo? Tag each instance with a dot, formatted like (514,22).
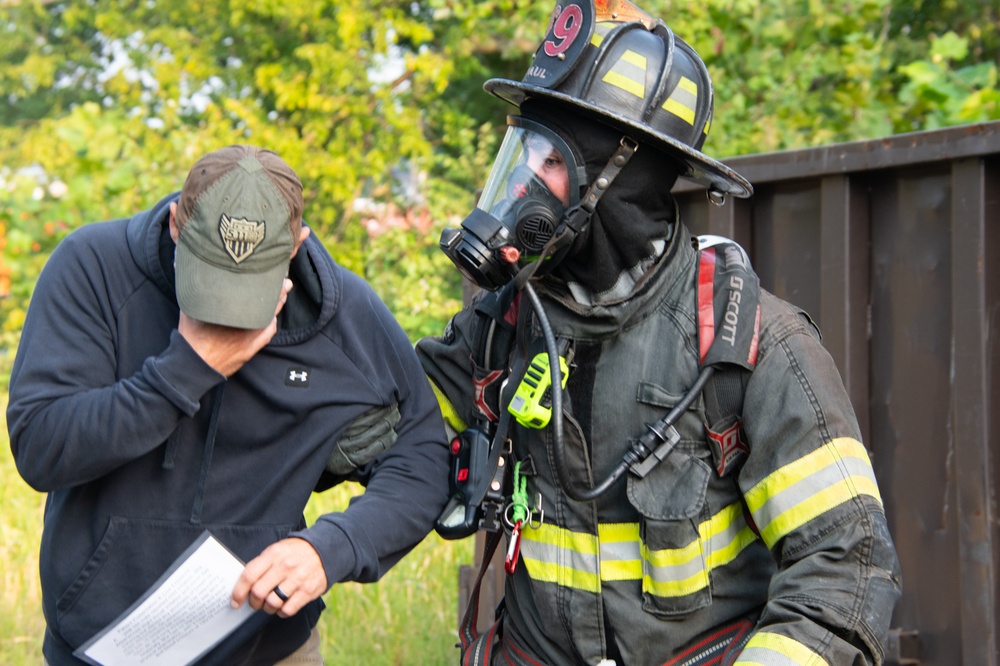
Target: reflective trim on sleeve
(802,490)
(583,561)
(769,649)
(448,411)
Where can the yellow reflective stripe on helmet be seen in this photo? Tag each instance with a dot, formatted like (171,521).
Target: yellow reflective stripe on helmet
(769,649)
(600,32)
(683,100)
(629,74)
(583,561)
(636,59)
(791,496)
(448,411)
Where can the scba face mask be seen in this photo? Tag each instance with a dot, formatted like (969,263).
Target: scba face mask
(534,181)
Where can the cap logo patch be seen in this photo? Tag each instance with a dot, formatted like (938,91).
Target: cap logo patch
(240,236)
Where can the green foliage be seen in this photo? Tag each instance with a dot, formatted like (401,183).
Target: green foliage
(939,94)
(116,99)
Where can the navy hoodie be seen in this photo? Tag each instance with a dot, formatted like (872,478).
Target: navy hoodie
(141,446)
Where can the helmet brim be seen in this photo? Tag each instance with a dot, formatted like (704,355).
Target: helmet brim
(696,166)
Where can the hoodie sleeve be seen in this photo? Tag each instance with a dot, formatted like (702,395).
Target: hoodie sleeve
(407,485)
(71,417)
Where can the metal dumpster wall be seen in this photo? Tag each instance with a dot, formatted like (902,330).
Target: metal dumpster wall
(890,246)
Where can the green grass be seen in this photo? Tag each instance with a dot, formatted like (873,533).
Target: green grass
(21,623)
(409,617)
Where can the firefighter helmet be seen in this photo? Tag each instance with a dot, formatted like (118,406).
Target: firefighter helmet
(615,63)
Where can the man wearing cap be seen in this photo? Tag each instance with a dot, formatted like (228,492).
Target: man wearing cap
(205,365)
(698,493)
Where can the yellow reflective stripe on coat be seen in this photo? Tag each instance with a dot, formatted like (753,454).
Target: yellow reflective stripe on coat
(791,496)
(583,561)
(769,649)
(555,555)
(448,411)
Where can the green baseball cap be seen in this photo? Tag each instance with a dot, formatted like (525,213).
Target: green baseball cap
(239,216)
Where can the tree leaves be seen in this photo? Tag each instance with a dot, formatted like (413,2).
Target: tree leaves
(379,106)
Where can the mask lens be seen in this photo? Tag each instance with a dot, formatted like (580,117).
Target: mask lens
(534,180)
(528,159)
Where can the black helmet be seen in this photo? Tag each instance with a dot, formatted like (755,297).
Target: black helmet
(626,69)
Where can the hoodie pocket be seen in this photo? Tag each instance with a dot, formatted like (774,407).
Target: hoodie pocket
(671,504)
(131,557)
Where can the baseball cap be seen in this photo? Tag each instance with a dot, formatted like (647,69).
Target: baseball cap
(239,217)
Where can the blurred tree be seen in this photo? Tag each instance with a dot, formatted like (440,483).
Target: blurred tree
(379,106)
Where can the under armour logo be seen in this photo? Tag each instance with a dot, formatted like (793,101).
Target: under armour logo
(297,377)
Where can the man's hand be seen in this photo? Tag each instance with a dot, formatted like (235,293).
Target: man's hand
(224,348)
(292,566)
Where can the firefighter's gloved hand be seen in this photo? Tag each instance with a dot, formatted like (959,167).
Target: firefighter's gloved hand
(367,436)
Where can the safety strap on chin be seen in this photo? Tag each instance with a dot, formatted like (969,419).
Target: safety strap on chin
(578,217)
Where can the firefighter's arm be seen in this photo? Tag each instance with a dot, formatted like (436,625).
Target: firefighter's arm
(465,382)
(447,361)
(812,492)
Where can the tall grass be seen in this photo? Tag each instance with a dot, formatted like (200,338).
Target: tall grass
(21,623)
(409,617)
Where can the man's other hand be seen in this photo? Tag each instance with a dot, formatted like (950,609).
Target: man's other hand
(290,568)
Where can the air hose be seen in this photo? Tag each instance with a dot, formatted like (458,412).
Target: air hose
(654,445)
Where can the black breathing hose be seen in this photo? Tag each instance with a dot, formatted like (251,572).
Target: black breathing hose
(656,433)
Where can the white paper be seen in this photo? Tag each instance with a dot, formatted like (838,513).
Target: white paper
(181,617)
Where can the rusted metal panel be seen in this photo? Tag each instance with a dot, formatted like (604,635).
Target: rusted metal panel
(893,247)
(845,285)
(976,531)
(991,362)
(910,347)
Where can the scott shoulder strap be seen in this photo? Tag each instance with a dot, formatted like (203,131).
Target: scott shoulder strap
(728,307)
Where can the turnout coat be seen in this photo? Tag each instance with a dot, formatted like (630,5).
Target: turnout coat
(770,547)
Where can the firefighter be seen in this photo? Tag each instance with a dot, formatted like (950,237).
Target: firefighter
(682,472)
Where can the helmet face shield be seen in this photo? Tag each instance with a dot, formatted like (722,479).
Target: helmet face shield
(533,182)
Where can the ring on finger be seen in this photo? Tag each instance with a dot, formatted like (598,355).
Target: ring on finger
(281,595)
